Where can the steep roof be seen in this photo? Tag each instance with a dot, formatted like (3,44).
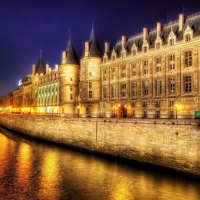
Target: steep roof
(95,50)
(72,57)
(40,67)
(193,21)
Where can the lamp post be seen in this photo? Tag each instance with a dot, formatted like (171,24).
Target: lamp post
(176,106)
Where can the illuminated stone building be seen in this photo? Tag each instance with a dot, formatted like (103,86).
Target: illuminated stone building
(155,74)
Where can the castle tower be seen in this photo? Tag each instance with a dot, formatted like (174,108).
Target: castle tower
(69,80)
(90,84)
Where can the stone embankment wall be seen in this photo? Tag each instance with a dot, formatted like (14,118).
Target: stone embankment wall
(168,143)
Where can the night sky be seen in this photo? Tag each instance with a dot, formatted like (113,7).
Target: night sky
(28,25)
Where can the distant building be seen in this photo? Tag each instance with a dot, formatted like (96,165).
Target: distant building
(155,74)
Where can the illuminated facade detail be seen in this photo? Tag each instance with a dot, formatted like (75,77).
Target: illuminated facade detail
(141,76)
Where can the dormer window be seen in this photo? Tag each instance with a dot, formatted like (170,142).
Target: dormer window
(134,52)
(113,57)
(158,45)
(123,54)
(188,34)
(188,37)
(145,49)
(172,39)
(171,42)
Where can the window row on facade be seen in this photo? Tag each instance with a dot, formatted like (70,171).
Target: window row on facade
(144,88)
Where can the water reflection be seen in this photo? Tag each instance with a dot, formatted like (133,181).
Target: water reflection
(36,171)
(24,161)
(50,177)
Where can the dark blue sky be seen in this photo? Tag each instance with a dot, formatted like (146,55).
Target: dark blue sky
(27,24)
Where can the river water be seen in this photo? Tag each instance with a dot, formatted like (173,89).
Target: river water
(35,170)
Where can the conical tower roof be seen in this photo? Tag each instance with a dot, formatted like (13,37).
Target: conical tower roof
(95,50)
(40,67)
(72,57)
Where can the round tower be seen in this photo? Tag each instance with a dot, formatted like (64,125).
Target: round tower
(69,81)
(90,79)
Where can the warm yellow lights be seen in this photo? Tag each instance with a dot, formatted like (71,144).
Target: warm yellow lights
(119,105)
(178,106)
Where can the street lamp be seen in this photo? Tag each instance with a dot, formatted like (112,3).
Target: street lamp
(177,107)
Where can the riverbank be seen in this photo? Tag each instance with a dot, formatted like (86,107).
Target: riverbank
(173,144)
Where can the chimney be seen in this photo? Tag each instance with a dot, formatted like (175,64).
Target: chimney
(56,68)
(145,33)
(64,57)
(107,47)
(47,68)
(33,69)
(123,41)
(181,21)
(87,48)
(158,28)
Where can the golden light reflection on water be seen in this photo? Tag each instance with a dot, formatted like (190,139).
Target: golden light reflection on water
(3,153)
(24,163)
(50,179)
(121,190)
(29,170)
(6,148)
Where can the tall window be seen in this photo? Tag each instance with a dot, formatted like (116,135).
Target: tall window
(133,66)
(172,85)
(158,64)
(134,89)
(71,96)
(105,92)
(188,84)
(145,88)
(123,71)
(90,85)
(123,90)
(158,87)
(188,58)
(105,74)
(113,91)
(113,73)
(90,94)
(171,61)
(145,67)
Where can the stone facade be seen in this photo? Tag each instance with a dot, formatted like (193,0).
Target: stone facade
(169,143)
(154,74)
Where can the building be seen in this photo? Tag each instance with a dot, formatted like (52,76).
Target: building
(155,74)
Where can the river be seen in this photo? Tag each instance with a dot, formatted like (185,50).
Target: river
(32,170)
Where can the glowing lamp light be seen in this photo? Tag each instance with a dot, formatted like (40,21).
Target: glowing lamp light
(20,82)
(179,106)
(119,105)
